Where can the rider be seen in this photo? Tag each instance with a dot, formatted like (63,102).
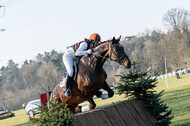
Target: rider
(73,53)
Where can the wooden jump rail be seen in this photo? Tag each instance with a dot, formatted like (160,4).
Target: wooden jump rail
(127,113)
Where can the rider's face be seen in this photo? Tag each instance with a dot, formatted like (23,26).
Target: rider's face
(96,42)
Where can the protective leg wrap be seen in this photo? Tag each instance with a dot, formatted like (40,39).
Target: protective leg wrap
(104,96)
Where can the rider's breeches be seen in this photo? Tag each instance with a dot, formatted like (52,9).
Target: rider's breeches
(68,60)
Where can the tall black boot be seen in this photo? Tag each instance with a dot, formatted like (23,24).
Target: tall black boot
(67,88)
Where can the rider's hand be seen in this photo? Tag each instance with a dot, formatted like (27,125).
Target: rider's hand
(89,51)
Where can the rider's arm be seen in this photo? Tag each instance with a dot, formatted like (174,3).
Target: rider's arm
(82,49)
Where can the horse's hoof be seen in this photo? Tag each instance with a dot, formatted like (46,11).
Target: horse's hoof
(110,94)
(92,107)
(79,109)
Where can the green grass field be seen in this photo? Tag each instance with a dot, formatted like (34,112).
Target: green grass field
(177,97)
(20,119)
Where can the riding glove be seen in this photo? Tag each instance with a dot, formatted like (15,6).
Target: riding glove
(89,51)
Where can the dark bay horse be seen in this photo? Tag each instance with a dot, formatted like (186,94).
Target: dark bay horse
(91,75)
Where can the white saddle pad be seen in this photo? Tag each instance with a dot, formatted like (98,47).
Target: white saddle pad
(62,83)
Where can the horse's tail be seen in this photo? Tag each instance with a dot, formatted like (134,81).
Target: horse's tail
(54,92)
(51,97)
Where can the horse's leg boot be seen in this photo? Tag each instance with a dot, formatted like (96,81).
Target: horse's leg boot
(68,82)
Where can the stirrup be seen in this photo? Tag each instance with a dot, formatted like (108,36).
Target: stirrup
(67,92)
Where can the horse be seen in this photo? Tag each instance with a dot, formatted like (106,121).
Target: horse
(91,76)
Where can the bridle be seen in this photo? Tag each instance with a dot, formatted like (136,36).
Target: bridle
(119,58)
(112,51)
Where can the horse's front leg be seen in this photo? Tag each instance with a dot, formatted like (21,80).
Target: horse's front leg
(108,89)
(98,94)
(89,98)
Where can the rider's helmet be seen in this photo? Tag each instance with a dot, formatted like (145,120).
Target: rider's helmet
(95,37)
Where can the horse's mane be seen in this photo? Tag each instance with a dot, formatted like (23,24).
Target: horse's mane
(100,43)
(97,46)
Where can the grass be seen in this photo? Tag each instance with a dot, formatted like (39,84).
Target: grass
(20,119)
(99,102)
(177,97)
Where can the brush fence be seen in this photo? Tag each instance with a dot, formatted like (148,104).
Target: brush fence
(127,113)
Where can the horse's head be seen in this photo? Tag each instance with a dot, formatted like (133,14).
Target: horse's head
(116,53)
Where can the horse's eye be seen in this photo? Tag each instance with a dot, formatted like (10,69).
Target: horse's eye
(121,47)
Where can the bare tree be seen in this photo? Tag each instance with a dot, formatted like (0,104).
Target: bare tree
(48,76)
(176,18)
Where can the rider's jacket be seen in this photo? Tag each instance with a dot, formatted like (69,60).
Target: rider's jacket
(89,43)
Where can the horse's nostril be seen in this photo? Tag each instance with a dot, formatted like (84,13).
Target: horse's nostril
(128,67)
(129,64)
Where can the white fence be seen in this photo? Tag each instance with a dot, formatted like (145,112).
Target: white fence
(180,72)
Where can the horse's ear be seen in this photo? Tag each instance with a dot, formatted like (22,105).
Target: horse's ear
(113,38)
(119,38)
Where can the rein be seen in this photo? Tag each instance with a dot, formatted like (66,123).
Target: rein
(119,58)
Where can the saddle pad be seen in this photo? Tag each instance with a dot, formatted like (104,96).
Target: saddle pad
(62,83)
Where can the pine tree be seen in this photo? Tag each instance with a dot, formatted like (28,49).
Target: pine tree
(57,115)
(139,85)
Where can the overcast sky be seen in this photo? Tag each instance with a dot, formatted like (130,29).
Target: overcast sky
(38,26)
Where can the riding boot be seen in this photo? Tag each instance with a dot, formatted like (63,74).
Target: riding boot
(68,82)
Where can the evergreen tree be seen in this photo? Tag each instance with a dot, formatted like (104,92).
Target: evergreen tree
(139,85)
(57,115)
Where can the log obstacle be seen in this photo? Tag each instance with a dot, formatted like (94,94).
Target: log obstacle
(127,113)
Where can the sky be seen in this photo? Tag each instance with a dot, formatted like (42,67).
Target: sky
(38,26)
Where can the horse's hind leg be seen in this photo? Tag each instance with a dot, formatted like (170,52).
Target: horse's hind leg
(108,89)
(98,94)
(78,109)
(89,98)
(92,103)
(73,108)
